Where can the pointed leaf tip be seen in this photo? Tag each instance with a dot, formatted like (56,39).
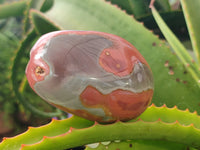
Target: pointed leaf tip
(195,112)
(187,110)
(70,129)
(176,122)
(159,120)
(118,121)
(53,119)
(151,5)
(30,127)
(191,125)
(96,123)
(4,138)
(23,145)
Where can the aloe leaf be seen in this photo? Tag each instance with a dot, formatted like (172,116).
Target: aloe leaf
(8,43)
(47,5)
(173,132)
(134,7)
(140,8)
(191,12)
(170,115)
(38,18)
(36,4)
(136,145)
(58,134)
(15,82)
(177,46)
(17,8)
(34,135)
(42,5)
(163,4)
(173,85)
(174,19)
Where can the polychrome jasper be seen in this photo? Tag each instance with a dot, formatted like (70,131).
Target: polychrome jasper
(95,75)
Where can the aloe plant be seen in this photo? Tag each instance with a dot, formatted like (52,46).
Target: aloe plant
(176,75)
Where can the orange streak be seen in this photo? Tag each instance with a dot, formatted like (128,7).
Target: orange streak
(119,104)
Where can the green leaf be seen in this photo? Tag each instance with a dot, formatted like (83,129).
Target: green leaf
(178,47)
(173,85)
(33,4)
(37,5)
(174,19)
(38,19)
(15,72)
(134,7)
(2,1)
(191,11)
(47,5)
(12,9)
(139,145)
(8,43)
(163,5)
(34,135)
(140,130)
(140,8)
(64,133)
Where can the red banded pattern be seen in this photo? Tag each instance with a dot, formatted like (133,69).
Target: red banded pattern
(95,75)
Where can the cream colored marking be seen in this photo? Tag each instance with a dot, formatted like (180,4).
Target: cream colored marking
(93,145)
(118,65)
(107,53)
(106,143)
